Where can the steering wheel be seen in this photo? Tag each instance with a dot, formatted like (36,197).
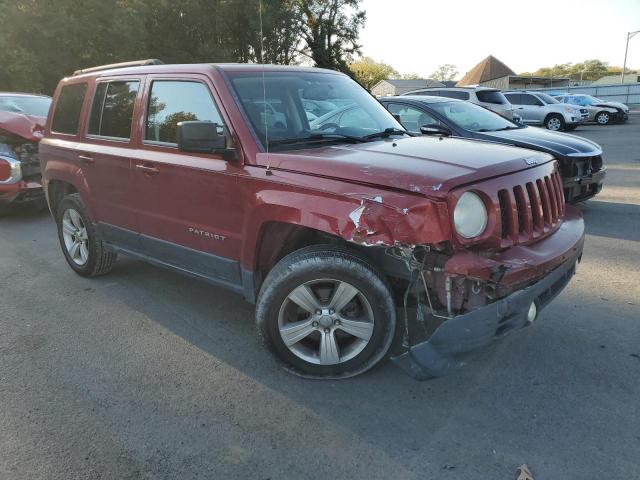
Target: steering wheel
(327,126)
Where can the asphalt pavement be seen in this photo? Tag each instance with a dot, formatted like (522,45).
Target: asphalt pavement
(145,374)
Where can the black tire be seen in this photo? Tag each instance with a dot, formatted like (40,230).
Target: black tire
(570,128)
(554,122)
(603,118)
(326,262)
(101,258)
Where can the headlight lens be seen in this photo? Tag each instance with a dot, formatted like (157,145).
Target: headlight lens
(10,170)
(470,215)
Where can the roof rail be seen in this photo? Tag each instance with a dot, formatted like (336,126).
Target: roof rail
(135,63)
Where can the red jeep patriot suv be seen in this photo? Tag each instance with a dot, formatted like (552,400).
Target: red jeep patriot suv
(356,240)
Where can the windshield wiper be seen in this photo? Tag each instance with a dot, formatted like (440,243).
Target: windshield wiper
(387,132)
(483,130)
(314,137)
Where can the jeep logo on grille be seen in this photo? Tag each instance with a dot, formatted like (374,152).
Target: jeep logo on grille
(530,161)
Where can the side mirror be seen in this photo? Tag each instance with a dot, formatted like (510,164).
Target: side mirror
(434,129)
(201,137)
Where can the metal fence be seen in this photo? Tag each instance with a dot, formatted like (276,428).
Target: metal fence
(628,93)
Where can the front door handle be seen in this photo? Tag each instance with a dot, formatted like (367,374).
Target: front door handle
(86,158)
(147,169)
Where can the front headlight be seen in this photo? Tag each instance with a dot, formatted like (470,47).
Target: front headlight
(10,170)
(470,215)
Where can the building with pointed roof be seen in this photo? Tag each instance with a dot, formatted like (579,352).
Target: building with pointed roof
(492,73)
(488,69)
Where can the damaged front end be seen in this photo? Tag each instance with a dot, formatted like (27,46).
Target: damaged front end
(20,173)
(462,294)
(582,176)
(456,304)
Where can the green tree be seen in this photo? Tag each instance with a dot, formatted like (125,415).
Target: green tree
(587,70)
(329,30)
(44,40)
(444,73)
(368,72)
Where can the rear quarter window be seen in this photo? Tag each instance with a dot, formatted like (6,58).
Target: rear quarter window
(66,116)
(491,96)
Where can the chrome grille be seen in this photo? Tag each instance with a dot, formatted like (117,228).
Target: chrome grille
(531,210)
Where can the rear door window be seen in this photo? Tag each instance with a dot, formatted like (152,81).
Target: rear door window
(172,101)
(514,98)
(66,117)
(530,100)
(112,109)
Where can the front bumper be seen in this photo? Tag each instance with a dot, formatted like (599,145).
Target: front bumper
(579,189)
(443,350)
(21,192)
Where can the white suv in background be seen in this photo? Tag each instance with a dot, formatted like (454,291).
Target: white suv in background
(490,98)
(541,109)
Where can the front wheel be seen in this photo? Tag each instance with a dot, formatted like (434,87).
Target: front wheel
(554,122)
(325,312)
(603,118)
(82,246)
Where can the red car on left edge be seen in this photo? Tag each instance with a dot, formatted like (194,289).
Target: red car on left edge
(22,119)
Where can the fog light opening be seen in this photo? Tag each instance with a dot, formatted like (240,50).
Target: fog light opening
(532,313)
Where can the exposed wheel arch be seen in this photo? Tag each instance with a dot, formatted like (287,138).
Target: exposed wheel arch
(56,191)
(279,239)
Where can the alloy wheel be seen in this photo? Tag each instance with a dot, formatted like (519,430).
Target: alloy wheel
(76,239)
(326,322)
(554,124)
(603,118)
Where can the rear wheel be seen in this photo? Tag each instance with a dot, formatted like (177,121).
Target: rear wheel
(603,118)
(554,122)
(82,246)
(325,312)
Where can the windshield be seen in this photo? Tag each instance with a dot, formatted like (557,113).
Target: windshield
(473,117)
(305,109)
(38,106)
(547,98)
(589,100)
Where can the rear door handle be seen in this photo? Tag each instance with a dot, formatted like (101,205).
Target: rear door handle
(86,158)
(147,169)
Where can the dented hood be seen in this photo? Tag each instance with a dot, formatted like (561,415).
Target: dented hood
(426,165)
(29,127)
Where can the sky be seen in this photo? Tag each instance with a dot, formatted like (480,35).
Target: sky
(415,36)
